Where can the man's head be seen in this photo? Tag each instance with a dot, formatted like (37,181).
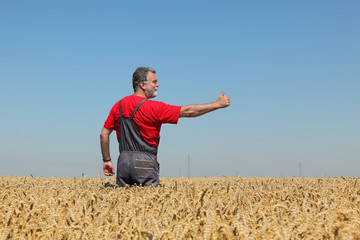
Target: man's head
(144,78)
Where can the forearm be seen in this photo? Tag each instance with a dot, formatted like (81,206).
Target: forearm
(105,143)
(105,147)
(196,110)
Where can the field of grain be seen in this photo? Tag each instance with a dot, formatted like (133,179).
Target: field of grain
(182,208)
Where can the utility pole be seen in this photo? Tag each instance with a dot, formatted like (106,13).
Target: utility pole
(188,158)
(299,169)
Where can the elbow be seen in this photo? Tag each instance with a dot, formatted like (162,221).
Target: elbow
(104,135)
(186,112)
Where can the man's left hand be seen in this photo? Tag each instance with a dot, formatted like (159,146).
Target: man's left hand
(109,169)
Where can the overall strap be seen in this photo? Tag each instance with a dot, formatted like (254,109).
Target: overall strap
(120,109)
(137,107)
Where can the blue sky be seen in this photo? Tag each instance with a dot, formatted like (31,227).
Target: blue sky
(290,68)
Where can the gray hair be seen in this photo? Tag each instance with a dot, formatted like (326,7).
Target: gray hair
(141,75)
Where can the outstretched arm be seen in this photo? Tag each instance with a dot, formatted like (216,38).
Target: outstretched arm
(105,150)
(196,110)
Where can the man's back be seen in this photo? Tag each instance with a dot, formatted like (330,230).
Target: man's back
(149,117)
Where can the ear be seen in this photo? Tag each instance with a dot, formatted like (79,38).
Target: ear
(142,85)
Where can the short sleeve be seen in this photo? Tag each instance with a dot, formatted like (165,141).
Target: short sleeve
(112,120)
(166,113)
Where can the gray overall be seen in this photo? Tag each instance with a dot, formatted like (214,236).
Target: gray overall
(137,163)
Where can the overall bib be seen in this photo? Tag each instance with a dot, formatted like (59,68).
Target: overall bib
(137,163)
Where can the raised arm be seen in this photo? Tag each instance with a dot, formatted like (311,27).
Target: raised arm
(196,110)
(105,150)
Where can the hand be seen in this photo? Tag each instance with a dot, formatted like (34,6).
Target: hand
(108,169)
(223,101)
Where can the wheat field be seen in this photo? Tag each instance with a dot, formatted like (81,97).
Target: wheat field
(182,208)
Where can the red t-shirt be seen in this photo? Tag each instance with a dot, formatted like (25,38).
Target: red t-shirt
(149,117)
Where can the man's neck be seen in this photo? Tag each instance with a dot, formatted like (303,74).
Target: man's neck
(140,93)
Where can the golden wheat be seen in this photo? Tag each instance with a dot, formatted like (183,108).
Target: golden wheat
(182,208)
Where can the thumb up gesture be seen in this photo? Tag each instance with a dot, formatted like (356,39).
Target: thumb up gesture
(223,101)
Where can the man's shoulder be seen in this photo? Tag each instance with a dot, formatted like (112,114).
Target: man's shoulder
(159,107)
(127,100)
(157,104)
(153,102)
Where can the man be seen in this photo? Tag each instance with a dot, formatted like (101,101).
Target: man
(137,122)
